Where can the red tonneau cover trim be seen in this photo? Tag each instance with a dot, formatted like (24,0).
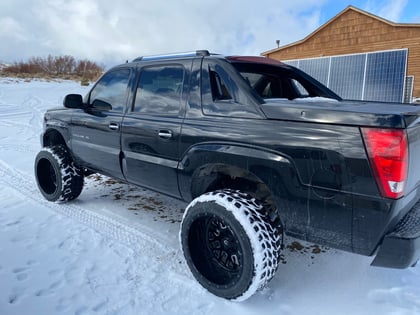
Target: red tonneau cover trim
(256,59)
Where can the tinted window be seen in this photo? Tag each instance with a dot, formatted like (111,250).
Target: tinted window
(219,89)
(112,88)
(220,94)
(300,88)
(272,86)
(281,82)
(159,90)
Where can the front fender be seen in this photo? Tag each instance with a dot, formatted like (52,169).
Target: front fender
(55,132)
(56,127)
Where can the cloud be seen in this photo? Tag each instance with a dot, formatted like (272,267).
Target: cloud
(391,10)
(113,31)
(9,27)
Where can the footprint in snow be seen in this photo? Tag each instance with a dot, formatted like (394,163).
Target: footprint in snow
(16,295)
(21,273)
(50,290)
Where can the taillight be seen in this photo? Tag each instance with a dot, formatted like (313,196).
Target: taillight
(388,154)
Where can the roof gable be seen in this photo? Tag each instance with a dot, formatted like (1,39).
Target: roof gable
(342,15)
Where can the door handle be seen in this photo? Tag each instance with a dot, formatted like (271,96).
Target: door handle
(114,126)
(165,134)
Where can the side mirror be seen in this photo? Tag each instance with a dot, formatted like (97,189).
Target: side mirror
(73,101)
(99,105)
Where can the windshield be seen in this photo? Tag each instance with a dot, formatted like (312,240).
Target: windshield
(284,82)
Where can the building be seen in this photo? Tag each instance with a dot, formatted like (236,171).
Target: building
(366,51)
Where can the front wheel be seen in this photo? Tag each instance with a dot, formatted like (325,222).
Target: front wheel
(229,244)
(58,178)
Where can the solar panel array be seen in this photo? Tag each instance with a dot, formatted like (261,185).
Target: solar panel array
(375,76)
(408,91)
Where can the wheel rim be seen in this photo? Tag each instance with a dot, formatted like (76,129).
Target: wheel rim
(47,176)
(216,251)
(223,245)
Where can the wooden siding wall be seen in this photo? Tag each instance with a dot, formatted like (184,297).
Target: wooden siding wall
(354,32)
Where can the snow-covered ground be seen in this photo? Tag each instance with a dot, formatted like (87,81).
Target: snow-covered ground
(115,249)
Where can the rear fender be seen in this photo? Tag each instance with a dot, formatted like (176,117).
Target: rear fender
(203,165)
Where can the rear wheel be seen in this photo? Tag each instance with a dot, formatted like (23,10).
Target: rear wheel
(229,244)
(58,178)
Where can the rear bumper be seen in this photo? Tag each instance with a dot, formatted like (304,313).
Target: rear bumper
(401,247)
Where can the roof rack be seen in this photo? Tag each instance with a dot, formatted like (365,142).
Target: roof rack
(201,53)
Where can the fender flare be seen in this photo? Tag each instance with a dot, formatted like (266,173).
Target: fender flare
(55,132)
(206,159)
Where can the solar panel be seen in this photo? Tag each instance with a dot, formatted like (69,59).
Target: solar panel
(317,67)
(385,76)
(348,71)
(294,63)
(374,76)
(408,90)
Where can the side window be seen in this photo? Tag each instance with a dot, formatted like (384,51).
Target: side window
(220,94)
(299,87)
(112,88)
(159,90)
(219,89)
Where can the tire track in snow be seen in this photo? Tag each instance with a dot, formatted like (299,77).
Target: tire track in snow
(156,277)
(112,227)
(160,267)
(25,114)
(25,122)
(34,103)
(20,147)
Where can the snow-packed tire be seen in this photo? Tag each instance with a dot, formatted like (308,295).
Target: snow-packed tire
(229,244)
(58,178)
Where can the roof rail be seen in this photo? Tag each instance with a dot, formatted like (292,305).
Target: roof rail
(201,53)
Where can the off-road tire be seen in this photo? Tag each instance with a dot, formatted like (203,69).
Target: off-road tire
(58,178)
(229,244)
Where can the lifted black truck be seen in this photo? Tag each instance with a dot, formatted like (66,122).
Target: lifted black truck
(258,148)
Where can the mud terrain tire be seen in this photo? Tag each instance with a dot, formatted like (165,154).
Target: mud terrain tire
(230,246)
(57,177)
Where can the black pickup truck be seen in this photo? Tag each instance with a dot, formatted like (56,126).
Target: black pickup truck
(259,149)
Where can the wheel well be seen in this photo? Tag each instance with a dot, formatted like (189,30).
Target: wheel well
(221,176)
(53,137)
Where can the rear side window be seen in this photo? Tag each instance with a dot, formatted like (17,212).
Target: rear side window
(283,82)
(159,90)
(112,88)
(272,86)
(299,87)
(219,88)
(220,94)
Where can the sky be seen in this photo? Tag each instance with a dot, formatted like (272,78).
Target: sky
(111,32)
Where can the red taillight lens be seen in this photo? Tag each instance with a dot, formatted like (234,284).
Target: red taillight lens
(388,154)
